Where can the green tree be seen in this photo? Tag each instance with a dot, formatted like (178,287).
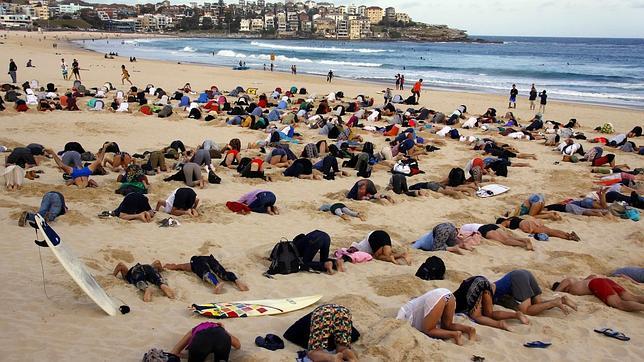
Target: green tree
(207,24)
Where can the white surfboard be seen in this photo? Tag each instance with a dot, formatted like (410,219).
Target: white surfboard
(492,190)
(75,268)
(254,308)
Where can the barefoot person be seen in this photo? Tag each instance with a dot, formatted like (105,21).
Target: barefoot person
(606,290)
(308,247)
(433,314)
(142,275)
(378,244)
(135,206)
(182,201)
(205,339)
(208,269)
(330,322)
(474,298)
(535,226)
(521,287)
(79,176)
(125,75)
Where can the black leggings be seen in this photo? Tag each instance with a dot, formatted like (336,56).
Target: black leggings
(329,165)
(201,265)
(312,243)
(399,185)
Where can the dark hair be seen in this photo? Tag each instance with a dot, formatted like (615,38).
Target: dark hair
(555,285)
(235,144)
(637,131)
(500,220)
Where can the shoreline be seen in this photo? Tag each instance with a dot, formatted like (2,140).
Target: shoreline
(383,83)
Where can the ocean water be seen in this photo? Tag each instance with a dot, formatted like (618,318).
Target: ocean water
(606,71)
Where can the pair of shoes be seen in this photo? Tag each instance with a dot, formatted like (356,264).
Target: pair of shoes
(169,222)
(106,214)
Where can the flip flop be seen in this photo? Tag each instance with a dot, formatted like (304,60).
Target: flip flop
(106,214)
(537,344)
(608,332)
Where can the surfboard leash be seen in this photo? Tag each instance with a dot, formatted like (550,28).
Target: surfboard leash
(42,269)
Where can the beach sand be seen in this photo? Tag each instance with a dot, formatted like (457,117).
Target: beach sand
(65,325)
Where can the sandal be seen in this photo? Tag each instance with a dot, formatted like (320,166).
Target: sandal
(23,219)
(608,332)
(106,214)
(537,344)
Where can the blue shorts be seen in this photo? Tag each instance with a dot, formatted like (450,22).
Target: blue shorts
(513,99)
(81,172)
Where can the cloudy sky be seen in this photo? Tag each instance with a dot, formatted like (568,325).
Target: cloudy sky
(584,18)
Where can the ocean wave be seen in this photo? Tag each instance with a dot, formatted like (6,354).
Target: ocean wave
(189,49)
(230,54)
(317,49)
(355,64)
(281,58)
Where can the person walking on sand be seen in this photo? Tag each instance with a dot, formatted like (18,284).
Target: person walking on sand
(533,97)
(402,82)
(513,97)
(13,69)
(125,75)
(544,100)
(76,70)
(415,91)
(64,69)
(329,76)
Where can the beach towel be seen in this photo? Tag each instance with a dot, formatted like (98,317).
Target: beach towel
(353,254)
(14,175)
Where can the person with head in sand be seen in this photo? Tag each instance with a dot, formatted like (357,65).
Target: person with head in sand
(205,339)
(366,190)
(232,156)
(331,321)
(535,226)
(433,314)
(521,287)
(474,298)
(443,237)
(79,176)
(142,275)
(209,269)
(260,201)
(182,201)
(135,206)
(309,245)
(494,232)
(534,206)
(378,244)
(609,292)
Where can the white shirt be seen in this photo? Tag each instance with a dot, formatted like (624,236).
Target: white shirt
(169,202)
(417,309)
(470,228)
(364,245)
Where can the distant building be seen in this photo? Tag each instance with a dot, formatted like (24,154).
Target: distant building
(390,14)
(71,8)
(324,27)
(244,25)
(281,23)
(342,29)
(375,14)
(402,18)
(257,25)
(16,21)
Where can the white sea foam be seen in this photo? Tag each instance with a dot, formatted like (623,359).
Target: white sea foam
(230,53)
(189,49)
(316,49)
(355,64)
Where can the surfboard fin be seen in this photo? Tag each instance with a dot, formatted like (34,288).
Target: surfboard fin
(41,243)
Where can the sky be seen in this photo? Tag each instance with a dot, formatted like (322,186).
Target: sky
(575,18)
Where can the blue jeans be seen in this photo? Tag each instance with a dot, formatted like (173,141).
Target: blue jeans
(262,201)
(51,207)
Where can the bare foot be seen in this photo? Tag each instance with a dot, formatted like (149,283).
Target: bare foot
(529,246)
(458,338)
(560,305)
(471,333)
(522,318)
(345,217)
(362,216)
(329,267)
(218,288)
(569,302)
(157,265)
(339,263)
(147,295)
(241,285)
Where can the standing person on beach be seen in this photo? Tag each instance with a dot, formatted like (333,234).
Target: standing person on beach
(329,76)
(76,70)
(272,67)
(533,97)
(64,69)
(415,91)
(125,75)
(13,69)
(397,81)
(544,101)
(402,82)
(514,92)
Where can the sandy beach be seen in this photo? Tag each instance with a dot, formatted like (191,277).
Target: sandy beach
(65,325)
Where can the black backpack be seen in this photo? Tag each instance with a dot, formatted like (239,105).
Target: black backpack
(432,269)
(285,259)
(456,177)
